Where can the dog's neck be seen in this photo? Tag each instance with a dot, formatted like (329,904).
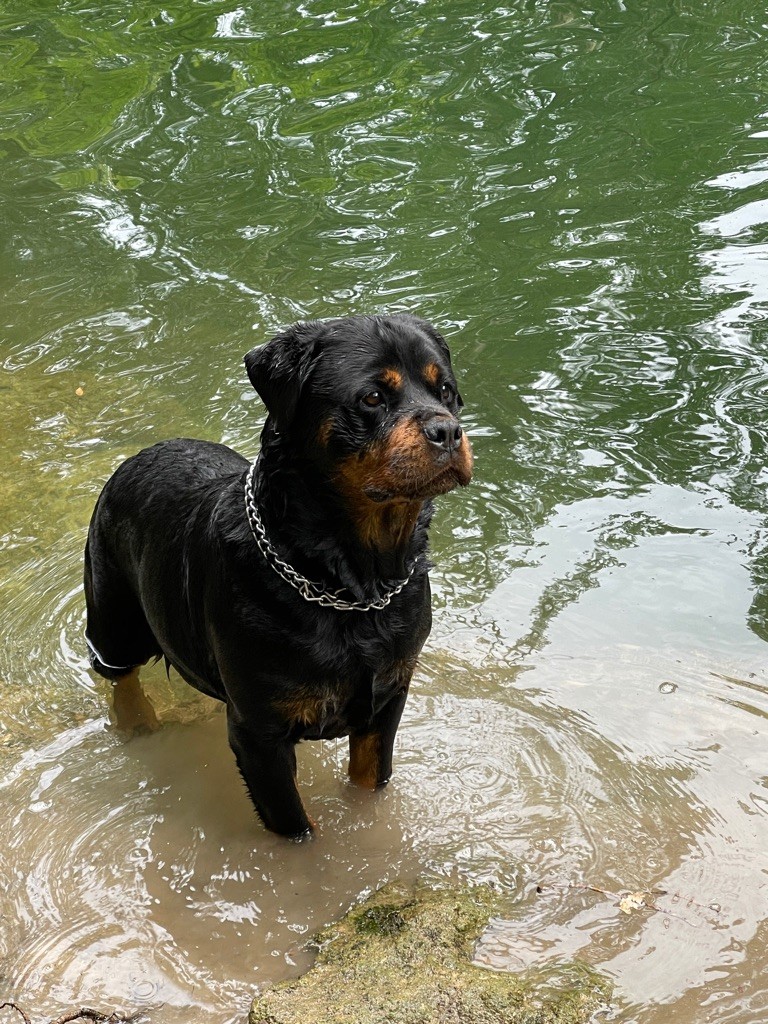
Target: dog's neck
(362,545)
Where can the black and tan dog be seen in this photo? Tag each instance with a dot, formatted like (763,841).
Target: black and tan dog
(296,590)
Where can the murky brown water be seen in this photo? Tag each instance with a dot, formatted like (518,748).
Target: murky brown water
(578,198)
(613,757)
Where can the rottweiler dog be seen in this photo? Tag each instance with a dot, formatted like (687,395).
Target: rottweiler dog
(296,589)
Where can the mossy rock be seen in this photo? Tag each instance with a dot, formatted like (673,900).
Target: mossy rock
(404,957)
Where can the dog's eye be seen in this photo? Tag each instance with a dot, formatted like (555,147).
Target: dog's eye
(446,392)
(373,399)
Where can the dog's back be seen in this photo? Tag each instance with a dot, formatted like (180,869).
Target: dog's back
(138,550)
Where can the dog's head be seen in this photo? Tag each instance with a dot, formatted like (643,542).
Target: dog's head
(371,400)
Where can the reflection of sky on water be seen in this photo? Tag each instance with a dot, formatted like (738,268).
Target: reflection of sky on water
(740,267)
(591,704)
(644,612)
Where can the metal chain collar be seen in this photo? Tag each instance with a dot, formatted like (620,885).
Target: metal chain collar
(308,589)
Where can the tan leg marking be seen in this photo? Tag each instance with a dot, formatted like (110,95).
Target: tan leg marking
(364,760)
(133,711)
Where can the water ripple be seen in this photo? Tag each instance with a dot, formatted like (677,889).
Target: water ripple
(576,197)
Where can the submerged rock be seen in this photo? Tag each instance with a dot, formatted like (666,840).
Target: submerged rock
(404,957)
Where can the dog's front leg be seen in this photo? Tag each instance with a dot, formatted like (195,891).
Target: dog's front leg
(370,752)
(269,768)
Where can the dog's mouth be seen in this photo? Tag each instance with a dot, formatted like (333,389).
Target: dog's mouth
(405,468)
(457,473)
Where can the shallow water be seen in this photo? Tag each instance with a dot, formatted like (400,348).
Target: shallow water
(578,198)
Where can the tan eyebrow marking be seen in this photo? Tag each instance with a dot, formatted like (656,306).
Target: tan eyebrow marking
(431,373)
(325,431)
(392,378)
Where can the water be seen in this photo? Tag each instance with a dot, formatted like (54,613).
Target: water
(578,198)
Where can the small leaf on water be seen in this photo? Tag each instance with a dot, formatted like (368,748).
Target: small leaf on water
(632,901)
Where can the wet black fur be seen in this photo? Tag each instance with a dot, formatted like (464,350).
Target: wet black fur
(172,569)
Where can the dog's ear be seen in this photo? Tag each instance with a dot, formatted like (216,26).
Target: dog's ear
(281,368)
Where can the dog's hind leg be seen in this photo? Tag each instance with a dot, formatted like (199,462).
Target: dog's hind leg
(119,641)
(133,711)
(117,633)
(269,770)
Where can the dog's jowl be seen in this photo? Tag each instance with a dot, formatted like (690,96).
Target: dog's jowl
(294,589)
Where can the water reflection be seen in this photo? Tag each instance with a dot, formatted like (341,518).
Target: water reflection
(574,196)
(160,879)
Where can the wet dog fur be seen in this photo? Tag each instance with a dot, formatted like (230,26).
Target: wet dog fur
(362,432)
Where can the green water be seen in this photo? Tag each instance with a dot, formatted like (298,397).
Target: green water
(578,197)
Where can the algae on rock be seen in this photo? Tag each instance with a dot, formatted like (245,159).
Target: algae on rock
(404,957)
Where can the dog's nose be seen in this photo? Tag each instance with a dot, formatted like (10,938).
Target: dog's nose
(443,431)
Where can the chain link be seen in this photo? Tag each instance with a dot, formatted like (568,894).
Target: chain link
(309,590)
